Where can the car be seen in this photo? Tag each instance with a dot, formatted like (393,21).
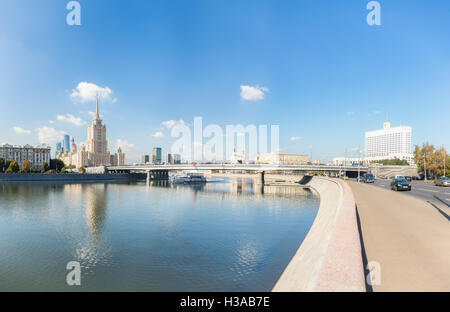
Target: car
(443,181)
(399,177)
(408,178)
(400,185)
(368,178)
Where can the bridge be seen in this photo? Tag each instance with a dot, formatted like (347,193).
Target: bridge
(161,172)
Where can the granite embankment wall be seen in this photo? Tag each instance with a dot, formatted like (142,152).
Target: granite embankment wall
(70,177)
(330,258)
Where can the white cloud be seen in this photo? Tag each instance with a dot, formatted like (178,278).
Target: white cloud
(250,93)
(124,145)
(169,124)
(71,119)
(86,92)
(20,130)
(49,135)
(296,138)
(158,134)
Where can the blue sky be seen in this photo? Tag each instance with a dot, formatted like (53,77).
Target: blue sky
(327,76)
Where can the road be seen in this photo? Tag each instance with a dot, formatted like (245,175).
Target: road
(438,195)
(404,236)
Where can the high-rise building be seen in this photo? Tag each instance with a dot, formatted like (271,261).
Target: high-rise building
(168,159)
(58,148)
(145,159)
(73,146)
(389,143)
(66,143)
(96,152)
(176,159)
(157,155)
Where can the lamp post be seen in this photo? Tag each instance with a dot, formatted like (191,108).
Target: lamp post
(425,165)
(445,160)
(359,164)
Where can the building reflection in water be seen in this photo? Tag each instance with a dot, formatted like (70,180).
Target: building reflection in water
(96,207)
(90,249)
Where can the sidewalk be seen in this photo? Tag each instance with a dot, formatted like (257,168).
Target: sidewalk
(407,236)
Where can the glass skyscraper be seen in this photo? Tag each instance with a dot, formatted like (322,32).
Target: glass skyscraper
(157,155)
(66,144)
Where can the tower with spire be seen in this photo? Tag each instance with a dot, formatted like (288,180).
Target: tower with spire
(95,153)
(97,144)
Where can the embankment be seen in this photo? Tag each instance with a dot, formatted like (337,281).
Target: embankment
(71,177)
(330,258)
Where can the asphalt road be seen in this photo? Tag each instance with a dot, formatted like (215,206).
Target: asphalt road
(424,190)
(406,240)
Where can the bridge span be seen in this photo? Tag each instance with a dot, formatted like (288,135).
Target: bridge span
(161,172)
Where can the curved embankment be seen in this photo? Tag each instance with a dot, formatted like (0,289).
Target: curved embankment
(330,258)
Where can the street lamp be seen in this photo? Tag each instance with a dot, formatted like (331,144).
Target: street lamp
(425,165)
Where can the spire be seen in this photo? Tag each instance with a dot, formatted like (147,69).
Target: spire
(97,116)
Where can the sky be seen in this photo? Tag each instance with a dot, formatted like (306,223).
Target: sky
(315,68)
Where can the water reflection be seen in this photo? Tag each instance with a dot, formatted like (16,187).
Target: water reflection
(227,235)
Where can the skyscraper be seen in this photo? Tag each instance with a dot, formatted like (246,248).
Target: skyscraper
(157,155)
(66,143)
(95,153)
(58,148)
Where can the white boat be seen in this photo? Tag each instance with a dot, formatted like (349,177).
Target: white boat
(188,178)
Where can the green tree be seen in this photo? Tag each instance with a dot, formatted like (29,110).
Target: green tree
(81,170)
(26,165)
(44,167)
(392,162)
(2,165)
(56,164)
(13,167)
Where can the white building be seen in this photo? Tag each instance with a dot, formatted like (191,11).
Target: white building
(36,155)
(95,153)
(389,143)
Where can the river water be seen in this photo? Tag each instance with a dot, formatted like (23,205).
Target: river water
(228,235)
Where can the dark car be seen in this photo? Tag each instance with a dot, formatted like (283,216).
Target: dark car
(400,185)
(368,178)
(408,178)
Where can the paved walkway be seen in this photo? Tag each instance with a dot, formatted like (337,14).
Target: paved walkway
(408,237)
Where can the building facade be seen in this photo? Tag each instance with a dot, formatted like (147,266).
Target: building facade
(95,153)
(282,159)
(66,143)
(145,159)
(389,143)
(36,155)
(157,155)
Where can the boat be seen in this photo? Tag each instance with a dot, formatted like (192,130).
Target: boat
(188,178)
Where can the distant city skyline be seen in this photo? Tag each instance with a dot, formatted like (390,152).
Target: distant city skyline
(314,68)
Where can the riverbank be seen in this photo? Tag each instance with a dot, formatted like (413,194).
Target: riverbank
(330,257)
(70,177)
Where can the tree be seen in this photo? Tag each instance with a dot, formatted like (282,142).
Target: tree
(56,164)
(427,156)
(26,165)
(81,170)
(2,165)
(392,162)
(7,163)
(44,167)
(13,167)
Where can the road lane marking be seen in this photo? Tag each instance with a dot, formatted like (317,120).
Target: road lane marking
(421,189)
